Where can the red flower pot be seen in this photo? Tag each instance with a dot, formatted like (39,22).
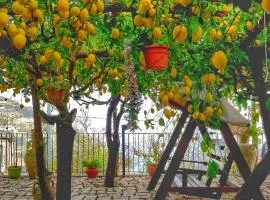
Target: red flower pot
(92,173)
(55,96)
(152,168)
(156,57)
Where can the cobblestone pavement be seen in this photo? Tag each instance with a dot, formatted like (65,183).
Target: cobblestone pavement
(130,188)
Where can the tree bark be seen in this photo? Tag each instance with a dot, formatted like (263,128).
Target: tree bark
(39,144)
(112,141)
(65,139)
(258,176)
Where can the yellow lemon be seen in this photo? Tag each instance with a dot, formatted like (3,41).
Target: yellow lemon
(173,72)
(3,18)
(165,100)
(231,30)
(219,35)
(138,21)
(208,97)
(265,4)
(157,33)
(12,30)
(208,111)
(202,117)
(57,56)
(152,12)
(183,3)
(197,35)
(23,25)
(195,115)
(75,11)
(186,90)
(33,5)
(39,82)
(84,14)
(93,9)
(249,26)
(219,60)
(190,108)
(90,28)
(180,33)
(100,6)
(81,35)
(19,41)
(63,5)
(115,33)
(33,32)
(43,60)
(17,7)
(48,53)
(91,59)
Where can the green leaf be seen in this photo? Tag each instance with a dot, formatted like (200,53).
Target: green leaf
(267,104)
(161,122)
(194,23)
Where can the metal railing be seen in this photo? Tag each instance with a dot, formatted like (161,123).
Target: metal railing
(88,145)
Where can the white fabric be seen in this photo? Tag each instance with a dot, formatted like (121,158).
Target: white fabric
(232,116)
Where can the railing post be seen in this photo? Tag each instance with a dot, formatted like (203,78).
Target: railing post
(123,150)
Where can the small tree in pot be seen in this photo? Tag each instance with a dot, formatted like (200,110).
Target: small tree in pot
(92,166)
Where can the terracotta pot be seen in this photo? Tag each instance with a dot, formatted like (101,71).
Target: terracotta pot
(152,168)
(177,100)
(92,173)
(250,154)
(14,172)
(156,57)
(30,161)
(55,96)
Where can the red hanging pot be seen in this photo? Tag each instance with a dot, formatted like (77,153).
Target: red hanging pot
(55,96)
(92,173)
(156,57)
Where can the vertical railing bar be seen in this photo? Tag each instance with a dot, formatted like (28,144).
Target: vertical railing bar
(128,154)
(88,141)
(78,152)
(22,148)
(103,154)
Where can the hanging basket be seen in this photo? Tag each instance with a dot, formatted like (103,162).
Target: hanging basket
(156,57)
(55,96)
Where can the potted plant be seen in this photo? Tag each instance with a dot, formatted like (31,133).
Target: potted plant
(153,158)
(55,92)
(155,48)
(92,166)
(14,172)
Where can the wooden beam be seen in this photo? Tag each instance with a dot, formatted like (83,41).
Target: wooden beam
(166,154)
(176,160)
(237,154)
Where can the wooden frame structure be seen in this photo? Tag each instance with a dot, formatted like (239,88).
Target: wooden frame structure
(173,167)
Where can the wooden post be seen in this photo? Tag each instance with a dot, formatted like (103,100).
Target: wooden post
(176,161)
(166,154)
(237,155)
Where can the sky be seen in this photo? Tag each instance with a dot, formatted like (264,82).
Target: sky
(97,113)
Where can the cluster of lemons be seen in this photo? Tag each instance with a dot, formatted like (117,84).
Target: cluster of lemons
(145,14)
(79,18)
(51,56)
(31,18)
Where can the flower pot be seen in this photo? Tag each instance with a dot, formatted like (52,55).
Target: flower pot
(14,172)
(151,169)
(55,96)
(92,173)
(178,100)
(250,154)
(156,57)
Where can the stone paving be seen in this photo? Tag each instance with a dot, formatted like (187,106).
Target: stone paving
(130,188)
